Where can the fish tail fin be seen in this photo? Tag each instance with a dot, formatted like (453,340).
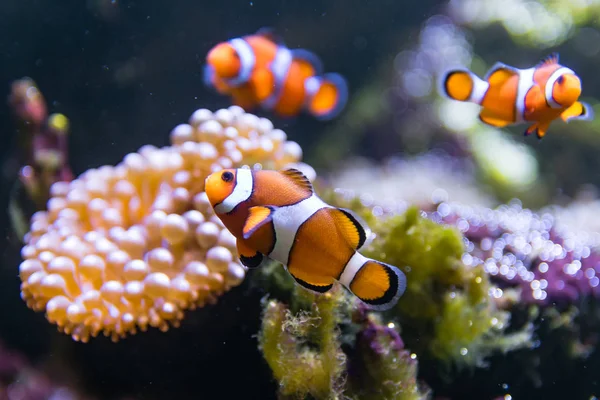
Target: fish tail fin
(463,85)
(378,284)
(327,95)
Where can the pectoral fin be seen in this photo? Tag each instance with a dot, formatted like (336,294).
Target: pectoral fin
(538,128)
(257,217)
(499,74)
(541,131)
(578,111)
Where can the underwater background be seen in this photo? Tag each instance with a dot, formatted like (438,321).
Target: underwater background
(497,233)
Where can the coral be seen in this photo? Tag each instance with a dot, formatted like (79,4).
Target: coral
(457,319)
(397,182)
(127,247)
(490,288)
(19,380)
(43,157)
(456,316)
(318,346)
(517,247)
(556,21)
(381,367)
(299,369)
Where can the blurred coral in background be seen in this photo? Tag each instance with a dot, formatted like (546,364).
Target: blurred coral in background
(43,149)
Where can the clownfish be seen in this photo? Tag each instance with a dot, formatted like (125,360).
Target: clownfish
(509,95)
(260,70)
(277,215)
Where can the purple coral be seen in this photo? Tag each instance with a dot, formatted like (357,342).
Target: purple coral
(18,380)
(372,333)
(380,366)
(525,249)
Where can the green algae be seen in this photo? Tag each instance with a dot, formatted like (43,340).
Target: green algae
(303,348)
(447,310)
(447,305)
(314,343)
(321,348)
(385,369)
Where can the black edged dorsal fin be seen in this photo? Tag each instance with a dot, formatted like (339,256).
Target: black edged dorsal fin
(351,227)
(298,178)
(369,235)
(500,73)
(271,34)
(309,57)
(257,217)
(548,60)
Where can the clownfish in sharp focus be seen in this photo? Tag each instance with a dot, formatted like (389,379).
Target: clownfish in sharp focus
(276,214)
(259,70)
(509,95)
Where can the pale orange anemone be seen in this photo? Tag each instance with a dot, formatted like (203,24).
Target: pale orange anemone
(126,247)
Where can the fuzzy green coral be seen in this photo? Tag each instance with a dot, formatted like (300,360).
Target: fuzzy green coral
(284,339)
(303,347)
(446,312)
(446,304)
(381,368)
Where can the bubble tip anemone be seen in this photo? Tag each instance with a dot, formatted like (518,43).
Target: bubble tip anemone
(124,248)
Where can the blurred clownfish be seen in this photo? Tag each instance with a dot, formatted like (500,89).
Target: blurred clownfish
(259,70)
(510,95)
(276,214)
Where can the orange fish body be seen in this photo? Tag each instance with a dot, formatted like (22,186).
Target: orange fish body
(509,95)
(259,70)
(276,214)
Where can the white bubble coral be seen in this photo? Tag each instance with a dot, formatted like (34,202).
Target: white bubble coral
(126,247)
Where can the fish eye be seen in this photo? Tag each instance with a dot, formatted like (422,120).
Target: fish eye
(561,79)
(227,176)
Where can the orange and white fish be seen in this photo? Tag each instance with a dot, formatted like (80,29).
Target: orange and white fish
(260,70)
(276,214)
(510,95)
